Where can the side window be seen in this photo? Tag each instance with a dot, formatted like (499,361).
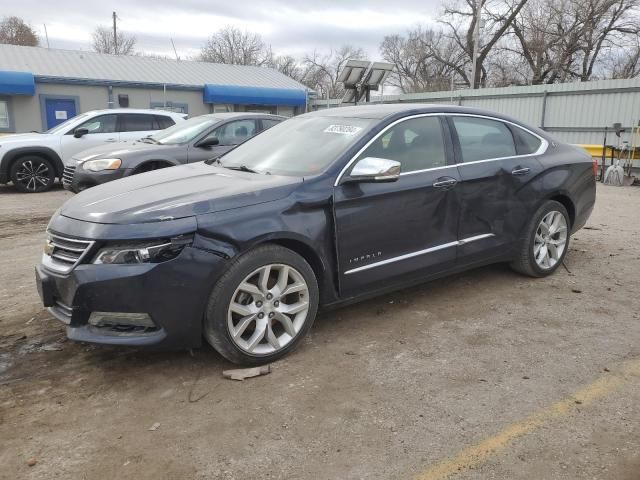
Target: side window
(482,139)
(234,133)
(525,142)
(136,122)
(100,124)
(163,121)
(267,123)
(416,143)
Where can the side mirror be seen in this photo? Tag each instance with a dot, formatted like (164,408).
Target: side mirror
(372,169)
(208,142)
(80,132)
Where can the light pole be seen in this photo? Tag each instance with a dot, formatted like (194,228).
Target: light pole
(476,42)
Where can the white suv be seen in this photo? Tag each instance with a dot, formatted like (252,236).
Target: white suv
(32,161)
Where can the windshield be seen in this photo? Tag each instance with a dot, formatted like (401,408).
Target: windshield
(64,125)
(299,146)
(184,132)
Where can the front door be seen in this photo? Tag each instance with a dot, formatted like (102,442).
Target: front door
(58,110)
(496,167)
(390,232)
(101,130)
(229,135)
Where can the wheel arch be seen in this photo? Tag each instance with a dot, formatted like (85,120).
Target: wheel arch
(305,249)
(161,161)
(566,201)
(15,154)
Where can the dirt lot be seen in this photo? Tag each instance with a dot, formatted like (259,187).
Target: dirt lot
(483,375)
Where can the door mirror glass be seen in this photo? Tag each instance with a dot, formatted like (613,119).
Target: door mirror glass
(80,132)
(208,142)
(372,169)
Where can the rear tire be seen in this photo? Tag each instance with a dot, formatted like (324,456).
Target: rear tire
(32,174)
(262,306)
(545,241)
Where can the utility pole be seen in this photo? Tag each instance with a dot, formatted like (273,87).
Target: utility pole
(46,35)
(476,42)
(115,34)
(175,52)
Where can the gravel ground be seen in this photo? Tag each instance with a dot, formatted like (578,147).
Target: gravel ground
(460,378)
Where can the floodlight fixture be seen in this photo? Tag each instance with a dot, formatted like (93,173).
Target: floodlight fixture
(352,72)
(377,74)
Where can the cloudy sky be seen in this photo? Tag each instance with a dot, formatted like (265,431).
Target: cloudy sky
(293,27)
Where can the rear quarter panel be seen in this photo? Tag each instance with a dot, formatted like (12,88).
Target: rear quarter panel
(569,172)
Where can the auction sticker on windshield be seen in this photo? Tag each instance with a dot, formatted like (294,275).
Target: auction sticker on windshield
(342,129)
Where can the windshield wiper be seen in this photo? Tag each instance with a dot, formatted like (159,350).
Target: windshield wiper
(149,140)
(242,168)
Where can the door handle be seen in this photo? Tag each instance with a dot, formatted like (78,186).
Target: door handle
(521,171)
(110,140)
(445,183)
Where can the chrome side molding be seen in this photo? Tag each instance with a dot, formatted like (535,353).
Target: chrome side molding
(420,252)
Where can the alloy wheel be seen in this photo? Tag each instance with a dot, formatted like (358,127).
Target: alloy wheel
(268,309)
(550,240)
(33,174)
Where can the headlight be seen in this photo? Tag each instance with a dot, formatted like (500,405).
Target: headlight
(156,252)
(102,164)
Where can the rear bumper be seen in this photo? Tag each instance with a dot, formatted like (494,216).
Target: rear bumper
(174,294)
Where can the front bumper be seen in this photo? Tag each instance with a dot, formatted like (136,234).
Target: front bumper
(173,293)
(77,179)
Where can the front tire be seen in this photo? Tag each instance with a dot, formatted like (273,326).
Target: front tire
(262,307)
(32,174)
(545,242)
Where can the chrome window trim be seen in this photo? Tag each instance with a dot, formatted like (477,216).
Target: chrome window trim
(464,241)
(544,144)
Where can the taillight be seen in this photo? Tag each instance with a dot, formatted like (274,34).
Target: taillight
(595,167)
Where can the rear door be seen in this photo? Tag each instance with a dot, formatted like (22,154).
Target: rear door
(267,123)
(101,131)
(389,232)
(133,126)
(497,163)
(229,135)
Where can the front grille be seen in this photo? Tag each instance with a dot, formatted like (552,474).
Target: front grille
(67,175)
(62,254)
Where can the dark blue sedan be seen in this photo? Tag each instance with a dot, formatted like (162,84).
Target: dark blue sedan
(326,208)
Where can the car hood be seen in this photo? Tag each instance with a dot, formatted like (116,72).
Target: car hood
(38,139)
(177,192)
(119,150)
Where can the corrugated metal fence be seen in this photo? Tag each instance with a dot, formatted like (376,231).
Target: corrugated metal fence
(571,112)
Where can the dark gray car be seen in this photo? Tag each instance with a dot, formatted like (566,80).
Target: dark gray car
(197,139)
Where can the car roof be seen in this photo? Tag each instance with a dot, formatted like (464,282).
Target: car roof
(135,110)
(382,111)
(228,115)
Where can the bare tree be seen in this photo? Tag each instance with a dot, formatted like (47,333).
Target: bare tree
(103,42)
(232,46)
(545,37)
(321,70)
(416,57)
(287,65)
(14,31)
(565,39)
(623,62)
(496,17)
(604,22)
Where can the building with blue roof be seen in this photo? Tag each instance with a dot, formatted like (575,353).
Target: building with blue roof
(41,87)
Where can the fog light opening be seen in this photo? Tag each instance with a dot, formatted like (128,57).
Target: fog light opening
(104,319)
